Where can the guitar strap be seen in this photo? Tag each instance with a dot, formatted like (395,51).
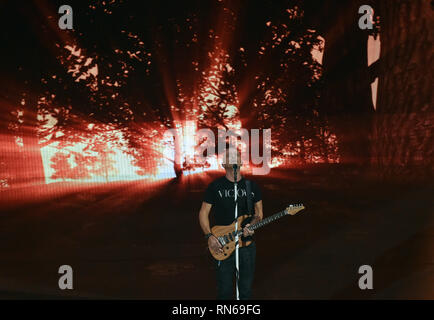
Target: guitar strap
(249,197)
(249,203)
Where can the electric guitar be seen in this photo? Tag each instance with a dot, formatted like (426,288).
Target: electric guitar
(226,235)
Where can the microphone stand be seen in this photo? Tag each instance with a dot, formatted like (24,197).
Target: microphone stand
(237,258)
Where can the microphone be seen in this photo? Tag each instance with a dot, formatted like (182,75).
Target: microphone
(235,167)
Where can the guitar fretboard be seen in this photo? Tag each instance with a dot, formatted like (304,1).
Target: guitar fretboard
(264,222)
(267,220)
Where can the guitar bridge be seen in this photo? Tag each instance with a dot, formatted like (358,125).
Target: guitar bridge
(222,241)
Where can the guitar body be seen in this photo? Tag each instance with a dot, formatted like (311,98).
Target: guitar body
(228,248)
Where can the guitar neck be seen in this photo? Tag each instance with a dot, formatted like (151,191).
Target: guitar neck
(267,220)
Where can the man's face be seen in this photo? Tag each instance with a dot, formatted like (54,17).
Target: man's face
(229,162)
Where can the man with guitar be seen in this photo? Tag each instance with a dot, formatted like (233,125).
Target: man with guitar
(220,195)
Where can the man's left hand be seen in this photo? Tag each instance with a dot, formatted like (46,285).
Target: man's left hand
(246,231)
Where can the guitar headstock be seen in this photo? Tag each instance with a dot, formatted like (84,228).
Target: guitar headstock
(294,208)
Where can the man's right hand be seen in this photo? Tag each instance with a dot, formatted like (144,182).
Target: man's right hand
(214,244)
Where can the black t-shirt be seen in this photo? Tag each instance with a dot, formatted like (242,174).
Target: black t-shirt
(220,193)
